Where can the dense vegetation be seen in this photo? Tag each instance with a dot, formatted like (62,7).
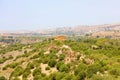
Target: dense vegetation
(79,59)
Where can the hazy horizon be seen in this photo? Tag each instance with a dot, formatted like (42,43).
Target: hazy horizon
(38,14)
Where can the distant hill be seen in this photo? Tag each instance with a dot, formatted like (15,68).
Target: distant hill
(81,29)
(94,30)
(71,31)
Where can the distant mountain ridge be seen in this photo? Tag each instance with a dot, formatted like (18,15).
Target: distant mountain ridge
(77,30)
(82,29)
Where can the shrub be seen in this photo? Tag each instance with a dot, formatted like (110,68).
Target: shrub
(35,63)
(115,71)
(17,72)
(78,57)
(70,77)
(2,60)
(97,77)
(16,78)
(37,77)
(10,57)
(52,63)
(93,69)
(59,64)
(64,68)
(47,68)
(26,73)
(13,65)
(52,76)
(2,78)
(59,76)
(24,78)
(61,57)
(41,53)
(4,68)
(45,60)
(80,69)
(30,65)
(36,72)
(81,75)
(118,60)
(35,56)
(25,51)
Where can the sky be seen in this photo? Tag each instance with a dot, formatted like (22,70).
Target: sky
(42,14)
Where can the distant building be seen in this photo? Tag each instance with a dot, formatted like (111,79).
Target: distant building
(60,38)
